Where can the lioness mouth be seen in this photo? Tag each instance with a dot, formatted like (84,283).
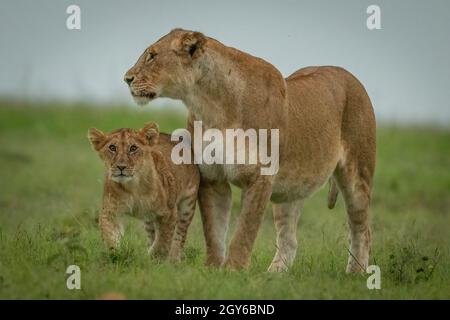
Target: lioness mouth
(149,95)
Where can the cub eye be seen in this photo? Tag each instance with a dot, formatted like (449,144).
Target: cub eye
(150,56)
(112,148)
(133,148)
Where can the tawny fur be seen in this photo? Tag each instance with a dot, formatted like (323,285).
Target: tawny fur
(151,188)
(327,131)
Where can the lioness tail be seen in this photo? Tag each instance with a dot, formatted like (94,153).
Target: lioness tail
(332,194)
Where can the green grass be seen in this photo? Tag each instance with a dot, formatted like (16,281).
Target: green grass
(50,193)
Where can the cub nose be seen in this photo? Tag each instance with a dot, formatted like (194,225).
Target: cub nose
(128,79)
(121,168)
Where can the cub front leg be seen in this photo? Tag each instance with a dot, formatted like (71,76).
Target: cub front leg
(165,227)
(110,227)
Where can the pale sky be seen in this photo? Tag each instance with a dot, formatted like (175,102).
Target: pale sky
(405,66)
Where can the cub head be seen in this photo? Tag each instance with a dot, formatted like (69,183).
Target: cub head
(168,67)
(124,151)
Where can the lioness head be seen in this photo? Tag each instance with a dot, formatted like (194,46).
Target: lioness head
(167,67)
(124,151)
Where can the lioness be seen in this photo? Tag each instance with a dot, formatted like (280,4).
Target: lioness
(141,180)
(326,127)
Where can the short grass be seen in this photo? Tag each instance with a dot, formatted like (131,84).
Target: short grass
(50,191)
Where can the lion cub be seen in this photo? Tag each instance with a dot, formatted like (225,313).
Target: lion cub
(141,180)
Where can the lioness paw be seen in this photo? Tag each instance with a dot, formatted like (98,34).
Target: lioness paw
(278,266)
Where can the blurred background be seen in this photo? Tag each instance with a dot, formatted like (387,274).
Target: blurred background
(55,83)
(404,66)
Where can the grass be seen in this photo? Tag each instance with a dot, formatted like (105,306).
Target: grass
(50,191)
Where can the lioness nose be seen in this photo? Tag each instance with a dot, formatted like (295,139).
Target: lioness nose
(128,79)
(121,168)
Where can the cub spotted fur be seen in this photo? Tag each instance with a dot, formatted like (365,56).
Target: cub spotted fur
(141,180)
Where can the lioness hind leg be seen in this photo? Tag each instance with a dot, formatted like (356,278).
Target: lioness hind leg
(354,173)
(355,184)
(186,210)
(285,216)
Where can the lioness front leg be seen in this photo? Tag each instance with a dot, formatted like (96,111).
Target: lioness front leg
(149,225)
(165,227)
(254,200)
(110,227)
(214,199)
(285,216)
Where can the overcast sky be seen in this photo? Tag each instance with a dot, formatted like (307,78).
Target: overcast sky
(405,66)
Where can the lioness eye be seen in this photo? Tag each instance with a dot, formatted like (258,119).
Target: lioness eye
(112,148)
(150,56)
(133,148)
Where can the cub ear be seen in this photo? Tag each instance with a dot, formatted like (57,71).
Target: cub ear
(192,44)
(97,138)
(151,132)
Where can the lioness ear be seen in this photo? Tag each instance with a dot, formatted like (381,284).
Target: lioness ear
(97,138)
(151,132)
(191,43)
